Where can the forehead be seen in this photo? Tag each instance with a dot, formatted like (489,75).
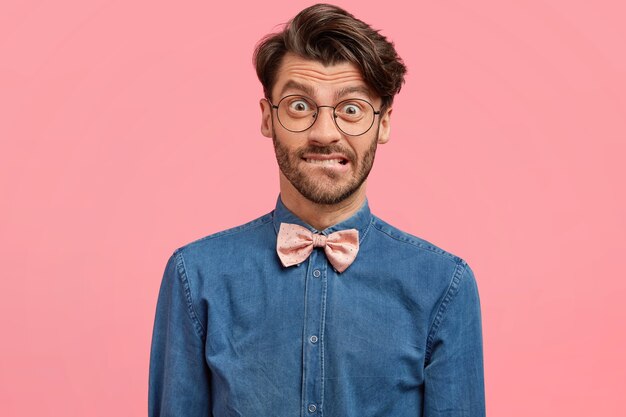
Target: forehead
(296,73)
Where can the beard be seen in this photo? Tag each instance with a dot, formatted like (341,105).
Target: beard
(331,190)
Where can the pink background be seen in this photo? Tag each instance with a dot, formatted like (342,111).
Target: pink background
(506,149)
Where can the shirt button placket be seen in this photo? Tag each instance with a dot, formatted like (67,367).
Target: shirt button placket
(313,329)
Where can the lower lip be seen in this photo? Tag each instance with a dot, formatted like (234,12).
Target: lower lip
(334,167)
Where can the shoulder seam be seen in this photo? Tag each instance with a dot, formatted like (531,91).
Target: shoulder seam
(180,267)
(237,229)
(451,292)
(403,239)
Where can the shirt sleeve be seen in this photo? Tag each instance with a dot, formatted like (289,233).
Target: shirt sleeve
(454,380)
(179,376)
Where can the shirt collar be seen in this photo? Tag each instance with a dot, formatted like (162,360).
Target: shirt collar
(361,220)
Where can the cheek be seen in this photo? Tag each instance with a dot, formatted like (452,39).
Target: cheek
(366,147)
(292,151)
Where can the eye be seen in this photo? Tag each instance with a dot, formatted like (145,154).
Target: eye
(299,105)
(350,110)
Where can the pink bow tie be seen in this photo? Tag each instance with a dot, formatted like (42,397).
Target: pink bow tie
(295,243)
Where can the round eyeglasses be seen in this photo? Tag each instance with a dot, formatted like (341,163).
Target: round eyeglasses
(297,113)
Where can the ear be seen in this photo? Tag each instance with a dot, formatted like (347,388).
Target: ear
(385,127)
(266,118)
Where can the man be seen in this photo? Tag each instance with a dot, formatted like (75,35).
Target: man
(319,307)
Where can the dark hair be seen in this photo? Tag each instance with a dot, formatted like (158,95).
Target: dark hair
(329,34)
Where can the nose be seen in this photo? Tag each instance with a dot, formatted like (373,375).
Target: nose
(324,129)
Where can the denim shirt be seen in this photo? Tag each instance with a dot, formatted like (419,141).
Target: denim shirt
(397,334)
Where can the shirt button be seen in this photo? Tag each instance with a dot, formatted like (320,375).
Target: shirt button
(317,273)
(312,408)
(313,339)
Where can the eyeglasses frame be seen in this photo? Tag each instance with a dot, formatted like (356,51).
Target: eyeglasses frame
(317,107)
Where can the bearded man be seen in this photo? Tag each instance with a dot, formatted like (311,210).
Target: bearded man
(319,308)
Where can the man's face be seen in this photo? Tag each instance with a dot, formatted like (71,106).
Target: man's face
(322,163)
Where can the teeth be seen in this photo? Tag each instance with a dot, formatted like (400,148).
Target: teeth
(324,161)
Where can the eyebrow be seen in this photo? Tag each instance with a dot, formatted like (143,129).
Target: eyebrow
(310,91)
(294,85)
(354,89)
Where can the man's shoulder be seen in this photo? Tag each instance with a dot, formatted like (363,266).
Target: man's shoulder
(235,236)
(407,242)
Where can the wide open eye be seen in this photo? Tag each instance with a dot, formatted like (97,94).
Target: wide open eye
(298,106)
(351,110)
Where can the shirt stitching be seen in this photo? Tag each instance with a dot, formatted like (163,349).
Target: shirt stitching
(322,336)
(410,240)
(367,229)
(234,230)
(305,369)
(180,266)
(451,292)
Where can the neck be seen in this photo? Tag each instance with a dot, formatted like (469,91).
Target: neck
(320,216)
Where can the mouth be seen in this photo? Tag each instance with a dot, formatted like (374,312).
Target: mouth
(326,162)
(334,160)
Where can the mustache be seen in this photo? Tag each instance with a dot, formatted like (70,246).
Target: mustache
(327,150)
